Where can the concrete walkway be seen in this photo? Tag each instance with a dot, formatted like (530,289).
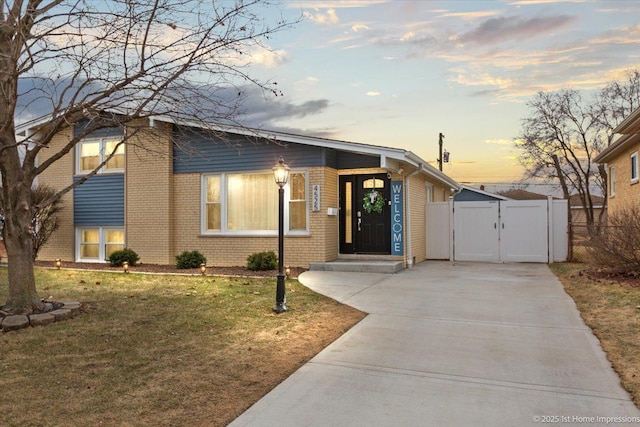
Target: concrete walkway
(468,344)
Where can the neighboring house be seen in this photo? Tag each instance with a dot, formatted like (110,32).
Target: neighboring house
(215,193)
(471,194)
(621,158)
(579,218)
(523,195)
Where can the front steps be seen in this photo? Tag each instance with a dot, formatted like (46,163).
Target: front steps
(358,266)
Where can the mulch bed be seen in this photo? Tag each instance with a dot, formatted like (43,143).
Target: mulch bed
(171,269)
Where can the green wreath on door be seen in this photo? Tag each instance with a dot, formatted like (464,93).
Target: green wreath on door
(373,201)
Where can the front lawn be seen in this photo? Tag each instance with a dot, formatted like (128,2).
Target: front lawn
(159,350)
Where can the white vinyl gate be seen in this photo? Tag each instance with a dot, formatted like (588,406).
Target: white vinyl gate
(498,231)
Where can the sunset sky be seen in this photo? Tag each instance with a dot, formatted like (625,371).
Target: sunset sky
(397,73)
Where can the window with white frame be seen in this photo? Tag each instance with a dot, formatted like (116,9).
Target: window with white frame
(92,152)
(297,201)
(96,244)
(612,181)
(634,167)
(247,203)
(429,192)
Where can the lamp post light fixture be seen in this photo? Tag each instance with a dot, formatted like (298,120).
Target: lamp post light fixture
(203,269)
(58,263)
(125,266)
(281,175)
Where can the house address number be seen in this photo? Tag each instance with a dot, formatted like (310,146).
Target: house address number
(315,198)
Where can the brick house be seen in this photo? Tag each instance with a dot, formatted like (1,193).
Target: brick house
(621,158)
(214,192)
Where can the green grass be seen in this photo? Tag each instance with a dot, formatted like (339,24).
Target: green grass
(159,350)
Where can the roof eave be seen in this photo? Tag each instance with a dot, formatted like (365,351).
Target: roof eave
(614,149)
(629,122)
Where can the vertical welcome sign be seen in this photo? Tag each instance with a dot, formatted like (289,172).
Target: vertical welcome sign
(397,232)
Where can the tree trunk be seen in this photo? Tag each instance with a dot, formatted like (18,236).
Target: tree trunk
(23,297)
(18,241)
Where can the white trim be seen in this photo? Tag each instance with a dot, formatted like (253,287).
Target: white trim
(223,232)
(634,166)
(101,155)
(612,181)
(101,242)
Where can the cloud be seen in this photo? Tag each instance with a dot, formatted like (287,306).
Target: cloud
(470,15)
(373,93)
(359,27)
(626,35)
(257,110)
(335,4)
(534,2)
(507,28)
(328,18)
(269,58)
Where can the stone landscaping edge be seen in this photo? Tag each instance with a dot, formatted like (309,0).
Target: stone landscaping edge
(64,310)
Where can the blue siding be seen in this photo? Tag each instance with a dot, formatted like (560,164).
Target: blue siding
(201,152)
(100,133)
(198,152)
(99,201)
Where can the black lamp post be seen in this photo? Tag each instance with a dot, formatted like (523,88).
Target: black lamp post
(281,175)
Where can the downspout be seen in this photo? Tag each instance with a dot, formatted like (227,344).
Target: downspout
(407,210)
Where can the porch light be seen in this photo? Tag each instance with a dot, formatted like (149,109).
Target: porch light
(125,266)
(58,263)
(281,175)
(203,269)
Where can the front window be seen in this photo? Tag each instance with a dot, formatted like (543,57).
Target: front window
(96,244)
(92,152)
(634,167)
(248,203)
(252,202)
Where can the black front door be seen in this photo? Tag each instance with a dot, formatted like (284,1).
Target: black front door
(365,215)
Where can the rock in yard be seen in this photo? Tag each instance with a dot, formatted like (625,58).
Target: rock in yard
(41,319)
(62,314)
(11,323)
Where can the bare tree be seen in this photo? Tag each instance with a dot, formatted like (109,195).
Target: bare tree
(45,219)
(563,133)
(111,63)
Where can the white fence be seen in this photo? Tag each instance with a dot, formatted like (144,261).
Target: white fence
(498,231)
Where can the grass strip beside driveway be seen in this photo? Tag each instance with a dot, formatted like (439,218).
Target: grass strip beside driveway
(611,308)
(159,350)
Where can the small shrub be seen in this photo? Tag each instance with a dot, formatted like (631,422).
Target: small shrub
(191,259)
(262,261)
(118,257)
(617,245)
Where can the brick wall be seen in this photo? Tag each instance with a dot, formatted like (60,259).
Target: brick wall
(626,193)
(60,175)
(149,194)
(320,245)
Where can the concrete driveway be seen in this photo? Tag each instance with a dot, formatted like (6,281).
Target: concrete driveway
(469,344)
